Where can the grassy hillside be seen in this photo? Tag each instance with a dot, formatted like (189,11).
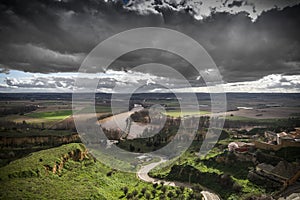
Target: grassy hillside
(68,172)
(229,180)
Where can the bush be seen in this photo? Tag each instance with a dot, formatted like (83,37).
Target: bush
(143,190)
(147,195)
(135,192)
(125,190)
(129,196)
(170,194)
(164,189)
(153,192)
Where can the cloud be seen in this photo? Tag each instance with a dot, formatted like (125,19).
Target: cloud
(54,36)
(32,58)
(110,81)
(274,83)
(235,3)
(205,8)
(119,82)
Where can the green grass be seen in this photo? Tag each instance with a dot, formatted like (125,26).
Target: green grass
(98,109)
(52,115)
(178,113)
(27,178)
(249,119)
(211,169)
(169,103)
(33,165)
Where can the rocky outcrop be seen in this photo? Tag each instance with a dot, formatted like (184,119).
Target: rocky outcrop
(46,162)
(76,155)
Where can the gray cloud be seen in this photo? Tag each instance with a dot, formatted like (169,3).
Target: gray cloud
(107,82)
(53,36)
(235,3)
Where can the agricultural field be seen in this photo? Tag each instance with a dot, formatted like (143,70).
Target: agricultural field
(178,113)
(51,115)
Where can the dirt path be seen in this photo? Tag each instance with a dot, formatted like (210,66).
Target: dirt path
(143,175)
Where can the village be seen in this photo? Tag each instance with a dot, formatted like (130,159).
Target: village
(280,171)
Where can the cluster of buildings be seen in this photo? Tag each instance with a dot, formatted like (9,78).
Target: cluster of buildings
(275,141)
(279,138)
(272,141)
(284,173)
(274,176)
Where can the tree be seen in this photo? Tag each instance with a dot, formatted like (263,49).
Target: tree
(153,192)
(182,188)
(125,190)
(148,195)
(236,187)
(170,194)
(178,192)
(143,190)
(162,197)
(129,196)
(135,192)
(164,189)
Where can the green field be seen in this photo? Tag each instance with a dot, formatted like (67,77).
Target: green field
(51,115)
(178,113)
(98,109)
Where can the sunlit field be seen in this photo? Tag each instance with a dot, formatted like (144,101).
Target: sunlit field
(178,113)
(53,115)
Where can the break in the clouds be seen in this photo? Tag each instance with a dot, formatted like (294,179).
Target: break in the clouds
(119,81)
(248,40)
(110,81)
(274,83)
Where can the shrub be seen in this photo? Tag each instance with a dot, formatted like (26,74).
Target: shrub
(143,190)
(135,192)
(147,195)
(125,190)
(170,194)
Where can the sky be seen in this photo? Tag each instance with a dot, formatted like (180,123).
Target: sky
(255,44)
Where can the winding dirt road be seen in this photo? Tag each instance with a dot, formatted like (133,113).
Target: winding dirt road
(119,121)
(143,175)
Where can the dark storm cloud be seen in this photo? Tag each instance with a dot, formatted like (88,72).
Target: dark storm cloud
(235,3)
(144,56)
(55,36)
(69,29)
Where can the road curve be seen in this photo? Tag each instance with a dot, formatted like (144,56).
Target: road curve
(120,120)
(143,175)
(209,196)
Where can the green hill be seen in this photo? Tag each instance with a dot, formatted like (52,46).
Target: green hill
(69,172)
(65,172)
